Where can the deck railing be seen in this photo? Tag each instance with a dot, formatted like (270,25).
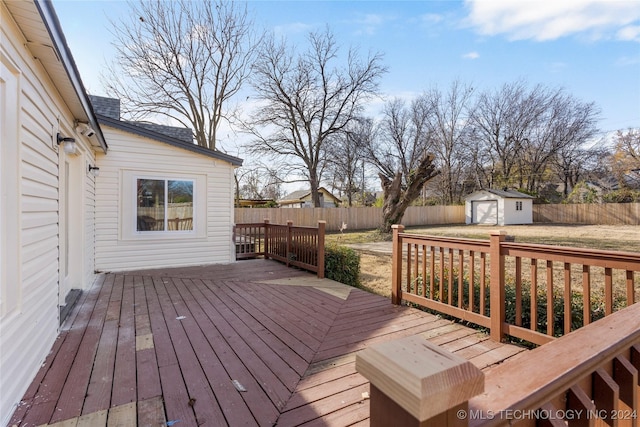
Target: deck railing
(301,247)
(540,287)
(588,377)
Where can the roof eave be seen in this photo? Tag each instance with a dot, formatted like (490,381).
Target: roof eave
(52,24)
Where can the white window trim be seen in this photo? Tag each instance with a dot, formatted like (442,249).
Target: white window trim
(128,211)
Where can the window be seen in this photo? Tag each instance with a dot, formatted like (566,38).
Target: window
(518,206)
(164,205)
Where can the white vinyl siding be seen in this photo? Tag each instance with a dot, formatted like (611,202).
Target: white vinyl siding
(30,217)
(119,247)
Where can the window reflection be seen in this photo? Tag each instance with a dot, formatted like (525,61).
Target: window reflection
(154,214)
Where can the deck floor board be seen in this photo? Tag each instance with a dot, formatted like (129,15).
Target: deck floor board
(249,343)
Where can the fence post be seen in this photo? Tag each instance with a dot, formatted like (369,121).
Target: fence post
(321,228)
(496,285)
(288,254)
(414,383)
(396,265)
(266,239)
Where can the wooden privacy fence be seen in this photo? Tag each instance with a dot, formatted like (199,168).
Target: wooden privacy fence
(592,213)
(586,378)
(354,218)
(527,291)
(296,246)
(370,217)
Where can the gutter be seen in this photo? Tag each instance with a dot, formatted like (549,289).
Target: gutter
(51,22)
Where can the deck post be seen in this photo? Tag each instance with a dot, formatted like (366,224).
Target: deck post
(321,229)
(414,383)
(267,246)
(396,265)
(496,285)
(289,235)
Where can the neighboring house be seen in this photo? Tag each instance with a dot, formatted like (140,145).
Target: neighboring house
(302,199)
(163,201)
(60,220)
(498,207)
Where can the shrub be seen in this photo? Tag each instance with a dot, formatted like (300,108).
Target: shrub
(342,264)
(577,321)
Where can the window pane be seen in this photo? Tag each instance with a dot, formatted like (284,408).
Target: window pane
(180,205)
(150,205)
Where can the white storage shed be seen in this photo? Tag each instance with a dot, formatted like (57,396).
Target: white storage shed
(498,207)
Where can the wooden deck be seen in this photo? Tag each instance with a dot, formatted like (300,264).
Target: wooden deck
(251,343)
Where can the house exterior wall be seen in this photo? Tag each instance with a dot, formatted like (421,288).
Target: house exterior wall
(119,247)
(33,211)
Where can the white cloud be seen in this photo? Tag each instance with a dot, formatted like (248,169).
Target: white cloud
(549,20)
(471,55)
(370,23)
(630,32)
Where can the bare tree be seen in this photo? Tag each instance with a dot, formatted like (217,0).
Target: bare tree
(400,153)
(519,131)
(258,182)
(625,161)
(307,99)
(346,157)
(450,128)
(183,60)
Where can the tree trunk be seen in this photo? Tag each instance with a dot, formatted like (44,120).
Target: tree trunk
(396,198)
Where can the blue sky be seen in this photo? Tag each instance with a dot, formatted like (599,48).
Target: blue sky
(591,48)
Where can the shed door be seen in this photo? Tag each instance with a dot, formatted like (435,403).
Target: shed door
(484,212)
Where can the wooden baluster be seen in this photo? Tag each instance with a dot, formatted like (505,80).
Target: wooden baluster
(415,268)
(579,403)
(483,281)
(631,294)
(460,277)
(518,261)
(471,279)
(409,257)
(550,324)
(605,395)
(626,376)
(424,270)
(586,295)
(441,278)
(450,278)
(534,294)
(608,291)
(432,271)
(567,297)
(552,420)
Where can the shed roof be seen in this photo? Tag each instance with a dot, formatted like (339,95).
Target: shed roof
(505,194)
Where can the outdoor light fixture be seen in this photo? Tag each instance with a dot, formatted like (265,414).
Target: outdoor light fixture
(94,170)
(70,146)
